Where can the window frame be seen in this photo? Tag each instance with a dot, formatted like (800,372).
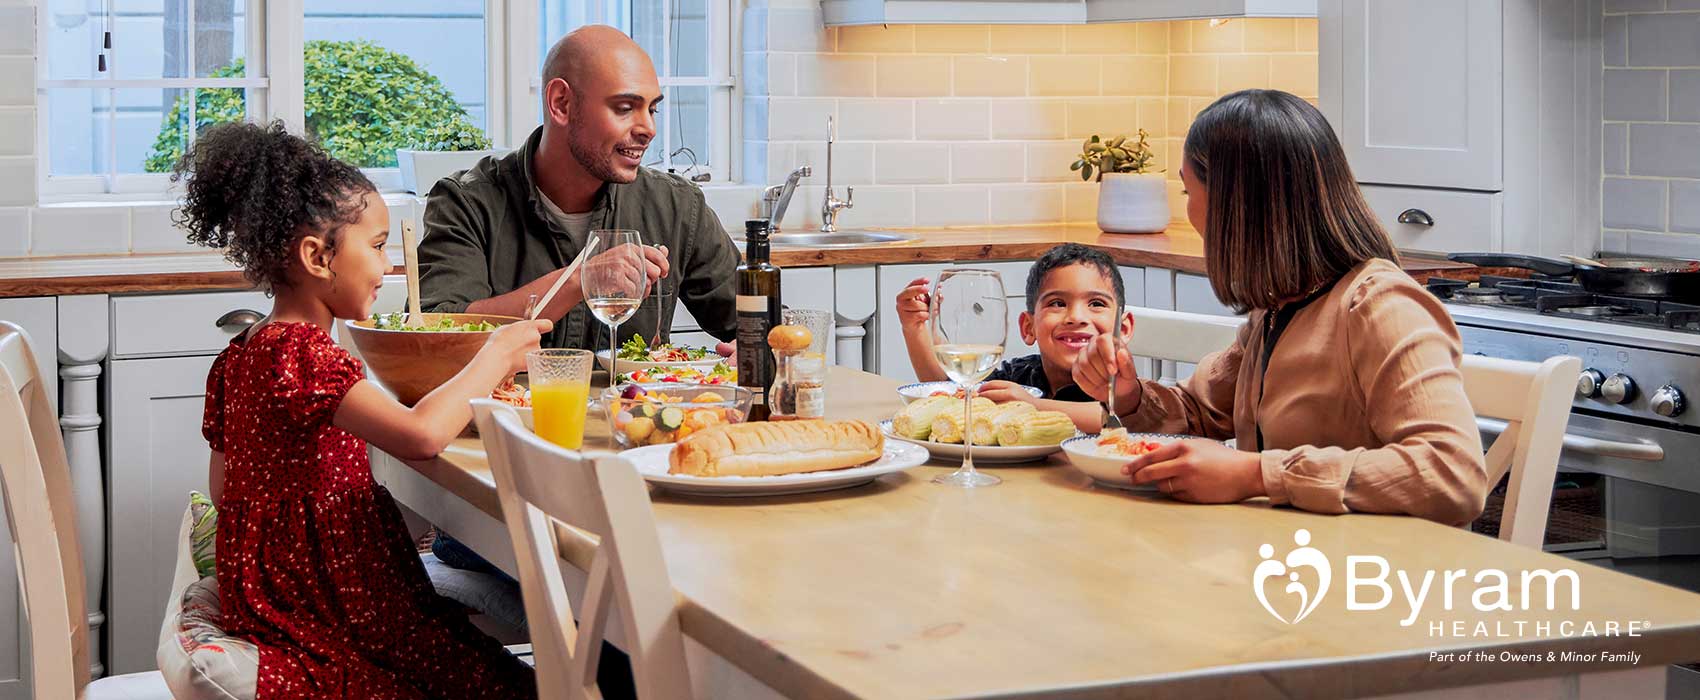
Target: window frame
(275,39)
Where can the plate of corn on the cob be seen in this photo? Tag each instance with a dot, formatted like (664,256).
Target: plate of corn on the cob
(1006,433)
(915,392)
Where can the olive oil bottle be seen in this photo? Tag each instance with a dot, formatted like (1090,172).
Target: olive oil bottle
(758,312)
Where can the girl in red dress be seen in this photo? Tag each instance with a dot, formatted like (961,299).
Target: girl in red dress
(314,563)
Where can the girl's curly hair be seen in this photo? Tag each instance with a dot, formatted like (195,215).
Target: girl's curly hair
(254,190)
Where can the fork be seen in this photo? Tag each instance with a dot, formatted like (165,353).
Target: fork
(1111,420)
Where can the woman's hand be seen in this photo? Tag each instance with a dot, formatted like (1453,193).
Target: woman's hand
(1092,373)
(511,342)
(1000,392)
(1200,471)
(912,309)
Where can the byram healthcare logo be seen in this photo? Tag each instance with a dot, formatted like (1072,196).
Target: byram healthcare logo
(1297,583)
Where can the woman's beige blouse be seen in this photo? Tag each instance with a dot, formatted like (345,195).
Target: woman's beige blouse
(1362,408)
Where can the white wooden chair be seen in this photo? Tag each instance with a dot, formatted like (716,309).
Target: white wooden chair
(1179,336)
(540,483)
(1533,399)
(42,517)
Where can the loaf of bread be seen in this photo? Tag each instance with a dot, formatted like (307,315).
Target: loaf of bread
(773,448)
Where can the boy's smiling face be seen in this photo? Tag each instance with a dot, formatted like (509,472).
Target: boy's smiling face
(1076,304)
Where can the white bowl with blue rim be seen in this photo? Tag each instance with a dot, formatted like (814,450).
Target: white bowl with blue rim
(920,390)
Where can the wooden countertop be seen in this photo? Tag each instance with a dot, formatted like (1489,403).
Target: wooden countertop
(1047,586)
(1176,249)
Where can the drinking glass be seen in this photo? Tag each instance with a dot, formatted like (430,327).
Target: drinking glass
(819,323)
(614,283)
(969,323)
(560,390)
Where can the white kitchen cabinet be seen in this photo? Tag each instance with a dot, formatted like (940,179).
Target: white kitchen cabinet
(1194,295)
(1483,96)
(888,335)
(157,457)
(38,316)
(1146,10)
(843,12)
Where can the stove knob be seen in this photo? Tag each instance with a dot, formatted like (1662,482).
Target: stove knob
(1668,401)
(1588,385)
(1618,388)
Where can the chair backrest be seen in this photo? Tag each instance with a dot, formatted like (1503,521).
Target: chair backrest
(1178,336)
(41,515)
(1534,401)
(540,483)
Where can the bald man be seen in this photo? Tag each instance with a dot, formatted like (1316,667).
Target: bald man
(506,229)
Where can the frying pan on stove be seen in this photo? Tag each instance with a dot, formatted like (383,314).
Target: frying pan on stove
(1633,277)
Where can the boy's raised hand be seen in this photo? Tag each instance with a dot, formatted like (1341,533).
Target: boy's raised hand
(511,342)
(912,305)
(1092,373)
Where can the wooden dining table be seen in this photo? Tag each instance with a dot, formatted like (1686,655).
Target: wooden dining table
(1049,585)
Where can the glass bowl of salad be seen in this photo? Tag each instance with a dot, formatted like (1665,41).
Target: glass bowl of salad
(639,354)
(653,414)
(410,362)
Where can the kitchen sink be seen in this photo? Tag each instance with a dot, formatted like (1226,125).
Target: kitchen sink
(836,239)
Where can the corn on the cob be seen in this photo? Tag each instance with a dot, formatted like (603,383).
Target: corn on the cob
(986,425)
(915,421)
(1042,428)
(949,426)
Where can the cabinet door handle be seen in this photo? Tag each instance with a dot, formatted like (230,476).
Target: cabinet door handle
(238,320)
(1416,216)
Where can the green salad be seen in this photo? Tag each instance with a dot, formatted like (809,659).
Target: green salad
(639,350)
(397,321)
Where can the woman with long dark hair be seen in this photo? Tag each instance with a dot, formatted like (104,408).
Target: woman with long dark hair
(1343,389)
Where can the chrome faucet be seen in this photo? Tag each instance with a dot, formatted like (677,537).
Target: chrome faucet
(832,204)
(777,197)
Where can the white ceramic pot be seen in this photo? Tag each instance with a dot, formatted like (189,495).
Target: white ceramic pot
(420,170)
(1133,203)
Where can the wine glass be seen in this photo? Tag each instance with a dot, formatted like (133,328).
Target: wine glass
(969,324)
(614,283)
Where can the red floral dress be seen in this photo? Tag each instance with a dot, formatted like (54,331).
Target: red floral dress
(315,565)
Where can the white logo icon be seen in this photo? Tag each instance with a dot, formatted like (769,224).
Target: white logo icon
(1270,567)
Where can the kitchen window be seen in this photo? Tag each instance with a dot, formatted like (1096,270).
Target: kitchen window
(122,81)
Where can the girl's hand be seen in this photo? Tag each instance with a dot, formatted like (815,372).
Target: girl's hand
(1092,373)
(912,312)
(1200,471)
(1000,391)
(511,342)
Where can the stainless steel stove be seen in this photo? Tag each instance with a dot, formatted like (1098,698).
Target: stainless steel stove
(1629,488)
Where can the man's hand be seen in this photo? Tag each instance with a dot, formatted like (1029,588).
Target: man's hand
(1200,471)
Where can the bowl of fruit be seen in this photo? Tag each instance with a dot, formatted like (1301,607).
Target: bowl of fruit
(652,414)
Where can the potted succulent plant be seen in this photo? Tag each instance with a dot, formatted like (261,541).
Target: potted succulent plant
(1132,198)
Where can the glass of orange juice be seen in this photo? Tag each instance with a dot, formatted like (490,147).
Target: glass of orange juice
(560,393)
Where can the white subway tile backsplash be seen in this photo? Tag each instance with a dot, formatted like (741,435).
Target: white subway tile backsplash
(17,181)
(17,131)
(1616,40)
(152,231)
(951,38)
(1153,38)
(892,38)
(1029,119)
(780,158)
(1109,37)
(757,116)
(14,232)
(1664,150)
(987,162)
(1228,37)
(989,76)
(1180,37)
(1634,204)
(733,205)
(1294,73)
(852,162)
(1192,75)
(1664,40)
(1615,153)
(911,163)
(800,118)
(79,230)
(874,120)
(1080,202)
(1044,38)
(17,30)
(1685,95)
(835,75)
(1136,75)
(1675,245)
(953,120)
(796,30)
(914,76)
(17,81)
(1048,161)
(755,72)
(1633,5)
(1153,117)
(951,205)
(1027,204)
(1634,95)
(880,206)
(1685,206)
(1105,117)
(1065,75)
(1270,35)
(1236,73)
(781,74)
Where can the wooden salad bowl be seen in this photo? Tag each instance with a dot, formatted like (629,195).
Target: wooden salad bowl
(411,363)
